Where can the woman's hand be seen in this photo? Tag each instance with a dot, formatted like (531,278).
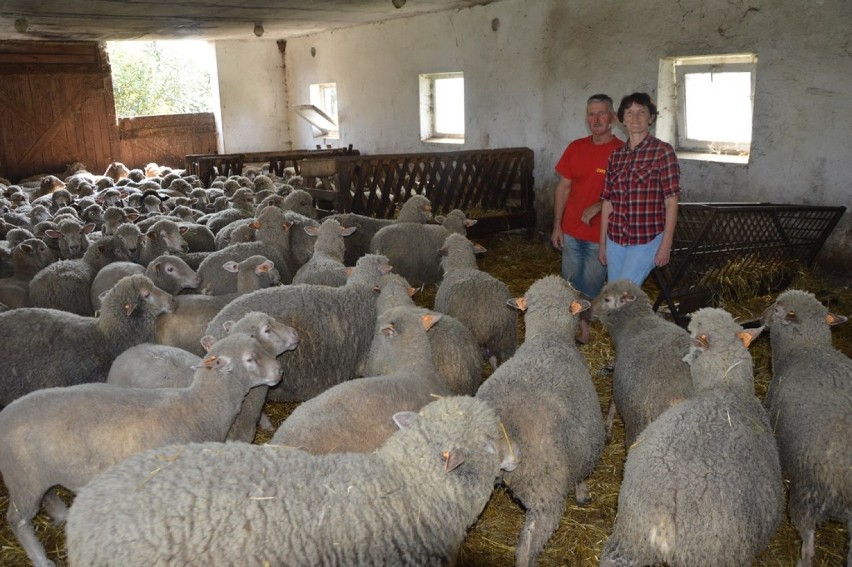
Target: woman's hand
(663,255)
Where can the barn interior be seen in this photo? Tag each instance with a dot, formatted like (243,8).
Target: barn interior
(528,69)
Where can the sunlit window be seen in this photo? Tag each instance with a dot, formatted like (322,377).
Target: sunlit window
(324,97)
(442,107)
(715,100)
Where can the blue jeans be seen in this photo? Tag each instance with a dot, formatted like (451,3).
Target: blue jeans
(632,263)
(582,266)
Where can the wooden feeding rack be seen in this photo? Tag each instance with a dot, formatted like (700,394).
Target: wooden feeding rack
(494,186)
(716,244)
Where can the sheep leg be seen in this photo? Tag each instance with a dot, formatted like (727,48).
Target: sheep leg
(538,527)
(21,521)
(55,507)
(610,420)
(581,494)
(807,556)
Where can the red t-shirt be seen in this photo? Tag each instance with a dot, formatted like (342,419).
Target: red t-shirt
(584,163)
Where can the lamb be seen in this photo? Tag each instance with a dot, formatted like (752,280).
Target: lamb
(412,248)
(355,416)
(644,383)
(28,258)
(702,484)
(335,325)
(131,236)
(326,264)
(477,299)
(300,201)
(65,284)
(455,352)
(70,349)
(409,503)
(84,429)
(416,209)
(72,238)
(810,406)
(164,236)
(184,327)
(547,402)
(169,273)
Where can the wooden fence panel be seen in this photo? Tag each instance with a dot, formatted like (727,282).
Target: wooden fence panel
(166,139)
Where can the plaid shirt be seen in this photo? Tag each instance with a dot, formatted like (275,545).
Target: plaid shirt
(637,183)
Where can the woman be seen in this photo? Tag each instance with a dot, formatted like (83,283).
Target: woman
(640,197)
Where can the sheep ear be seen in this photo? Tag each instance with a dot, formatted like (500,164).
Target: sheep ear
(443,251)
(440,219)
(208,340)
(211,362)
(312,230)
(129,308)
(519,303)
(132,217)
(790,317)
(53,233)
(748,335)
(26,248)
(151,235)
(388,330)
(264,267)
(348,230)
(385,269)
(88,228)
(627,297)
(470,222)
(429,319)
(286,225)
(231,266)
(833,319)
(348,270)
(412,291)
(479,249)
(157,266)
(579,305)
(404,419)
(452,459)
(183,229)
(254,224)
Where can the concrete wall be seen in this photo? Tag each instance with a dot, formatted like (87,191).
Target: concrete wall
(252,96)
(526,83)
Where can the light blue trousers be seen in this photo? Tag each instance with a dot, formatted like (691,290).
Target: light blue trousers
(632,263)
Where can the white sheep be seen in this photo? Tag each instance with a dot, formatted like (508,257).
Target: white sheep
(84,429)
(702,483)
(650,374)
(477,299)
(409,503)
(169,273)
(547,402)
(45,348)
(810,406)
(356,415)
(325,266)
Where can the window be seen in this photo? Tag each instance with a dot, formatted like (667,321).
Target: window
(162,77)
(713,101)
(324,97)
(442,108)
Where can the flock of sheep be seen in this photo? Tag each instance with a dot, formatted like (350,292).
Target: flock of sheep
(147,319)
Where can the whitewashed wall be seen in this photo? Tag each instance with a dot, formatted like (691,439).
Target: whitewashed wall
(526,84)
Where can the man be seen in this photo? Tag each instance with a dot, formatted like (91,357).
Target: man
(577,203)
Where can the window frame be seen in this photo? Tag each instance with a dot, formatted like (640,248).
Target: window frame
(428,109)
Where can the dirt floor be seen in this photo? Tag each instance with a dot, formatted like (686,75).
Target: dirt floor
(519,261)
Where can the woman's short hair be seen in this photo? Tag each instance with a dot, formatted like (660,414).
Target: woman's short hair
(642,99)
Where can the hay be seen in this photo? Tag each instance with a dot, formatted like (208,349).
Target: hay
(579,540)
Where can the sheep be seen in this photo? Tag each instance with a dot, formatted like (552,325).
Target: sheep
(169,273)
(72,238)
(810,406)
(284,230)
(409,503)
(477,299)
(131,236)
(355,416)
(184,327)
(548,404)
(455,352)
(65,284)
(335,325)
(416,209)
(117,170)
(411,247)
(161,366)
(47,348)
(650,374)
(702,484)
(326,264)
(28,258)
(198,237)
(164,236)
(84,429)
(225,235)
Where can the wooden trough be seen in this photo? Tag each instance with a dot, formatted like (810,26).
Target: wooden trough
(493,186)
(717,245)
